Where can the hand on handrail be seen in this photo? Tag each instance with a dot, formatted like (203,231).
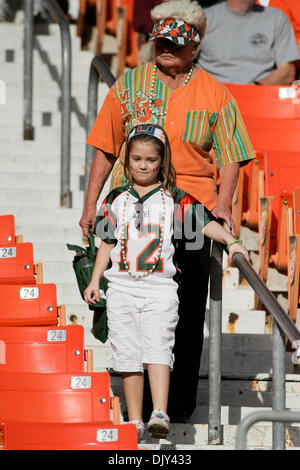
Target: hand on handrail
(238,248)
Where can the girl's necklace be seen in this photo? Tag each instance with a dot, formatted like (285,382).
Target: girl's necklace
(124,241)
(152,87)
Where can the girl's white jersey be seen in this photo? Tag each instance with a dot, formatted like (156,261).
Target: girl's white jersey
(141,244)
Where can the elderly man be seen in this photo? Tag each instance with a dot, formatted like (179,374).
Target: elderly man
(248,43)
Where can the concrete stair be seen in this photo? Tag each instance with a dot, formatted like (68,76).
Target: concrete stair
(29,189)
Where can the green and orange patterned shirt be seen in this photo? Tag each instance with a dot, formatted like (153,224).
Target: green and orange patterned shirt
(203,123)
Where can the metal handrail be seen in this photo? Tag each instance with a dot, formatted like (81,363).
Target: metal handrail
(282,326)
(285,416)
(65,164)
(98,69)
(269,300)
(215,345)
(58,15)
(28,131)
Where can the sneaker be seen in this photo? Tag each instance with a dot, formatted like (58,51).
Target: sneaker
(140,428)
(159,424)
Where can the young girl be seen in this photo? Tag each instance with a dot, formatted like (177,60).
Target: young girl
(138,225)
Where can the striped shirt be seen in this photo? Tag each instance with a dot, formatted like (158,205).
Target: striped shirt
(203,123)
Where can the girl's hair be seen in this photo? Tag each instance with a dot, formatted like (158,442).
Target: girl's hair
(167,174)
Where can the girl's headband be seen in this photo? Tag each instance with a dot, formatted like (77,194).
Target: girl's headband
(150,130)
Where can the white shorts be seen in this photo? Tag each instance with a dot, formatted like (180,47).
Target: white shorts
(141,330)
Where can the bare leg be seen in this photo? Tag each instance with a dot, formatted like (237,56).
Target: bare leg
(133,384)
(159,378)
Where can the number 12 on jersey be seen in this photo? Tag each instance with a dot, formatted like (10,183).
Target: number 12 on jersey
(142,258)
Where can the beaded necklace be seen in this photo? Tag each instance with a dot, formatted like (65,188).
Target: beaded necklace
(186,81)
(123,240)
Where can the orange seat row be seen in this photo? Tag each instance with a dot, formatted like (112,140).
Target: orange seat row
(268,194)
(68,436)
(50,396)
(113,17)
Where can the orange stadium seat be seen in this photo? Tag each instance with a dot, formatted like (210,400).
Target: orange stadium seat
(17,266)
(127,38)
(264,230)
(132,42)
(69,436)
(253,189)
(112,16)
(7,230)
(100,7)
(122,32)
(59,398)
(273,133)
(284,230)
(237,204)
(271,124)
(269,101)
(249,188)
(285,141)
(282,172)
(294,259)
(42,349)
(270,92)
(266,135)
(293,277)
(30,305)
(296,209)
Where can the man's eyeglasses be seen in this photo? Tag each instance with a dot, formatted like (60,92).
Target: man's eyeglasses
(138,215)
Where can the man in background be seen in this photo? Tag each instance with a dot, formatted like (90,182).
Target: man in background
(248,43)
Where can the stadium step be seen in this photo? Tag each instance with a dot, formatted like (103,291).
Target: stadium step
(195,437)
(27,148)
(39,181)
